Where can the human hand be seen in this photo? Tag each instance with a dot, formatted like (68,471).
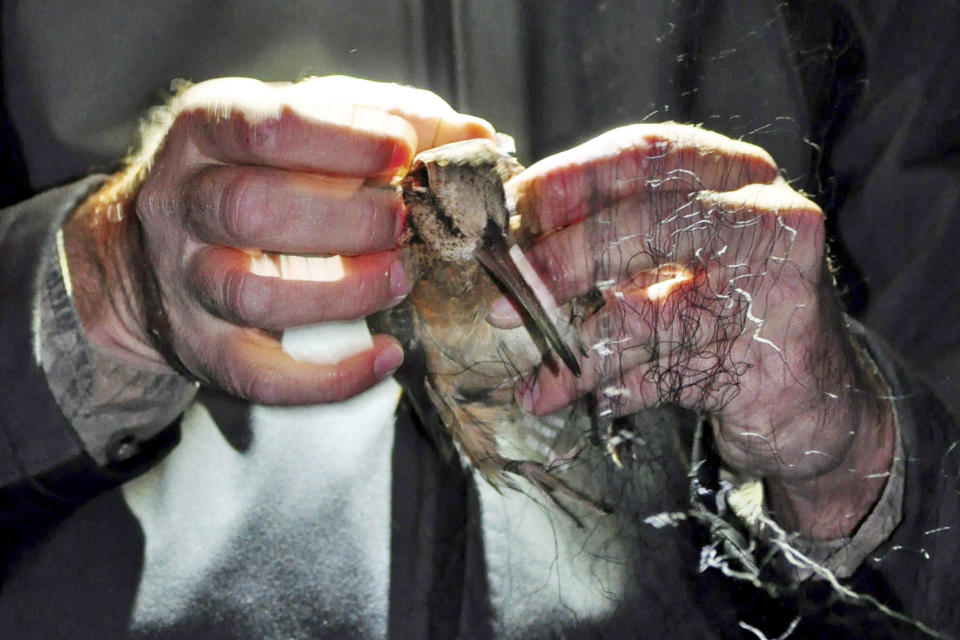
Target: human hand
(235,168)
(745,327)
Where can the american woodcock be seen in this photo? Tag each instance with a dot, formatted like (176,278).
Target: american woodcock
(461,372)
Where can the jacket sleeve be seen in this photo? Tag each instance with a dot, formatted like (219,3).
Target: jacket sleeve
(915,565)
(800,558)
(47,466)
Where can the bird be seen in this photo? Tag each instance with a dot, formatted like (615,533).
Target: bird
(459,371)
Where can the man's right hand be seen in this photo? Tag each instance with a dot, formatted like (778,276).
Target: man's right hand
(242,167)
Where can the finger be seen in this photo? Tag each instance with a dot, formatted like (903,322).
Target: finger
(573,184)
(792,225)
(339,126)
(245,121)
(635,327)
(628,238)
(741,231)
(697,383)
(290,211)
(434,121)
(362,143)
(291,291)
(708,382)
(451,128)
(252,365)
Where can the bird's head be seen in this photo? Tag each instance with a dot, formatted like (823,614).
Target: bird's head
(452,192)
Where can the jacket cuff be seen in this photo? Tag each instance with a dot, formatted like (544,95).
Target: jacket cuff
(801,558)
(45,469)
(112,406)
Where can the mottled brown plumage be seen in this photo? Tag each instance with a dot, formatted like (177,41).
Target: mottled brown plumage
(461,372)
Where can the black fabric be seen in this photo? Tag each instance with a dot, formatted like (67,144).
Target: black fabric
(15,186)
(831,62)
(910,565)
(34,436)
(895,163)
(44,471)
(438,26)
(88,586)
(32,504)
(437,577)
(684,60)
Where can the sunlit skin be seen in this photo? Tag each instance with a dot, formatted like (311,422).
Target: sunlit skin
(672,276)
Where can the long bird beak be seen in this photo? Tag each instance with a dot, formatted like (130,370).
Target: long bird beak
(494,254)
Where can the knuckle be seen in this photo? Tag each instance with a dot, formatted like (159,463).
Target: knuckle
(223,202)
(807,207)
(759,165)
(632,135)
(155,198)
(238,208)
(373,226)
(429,101)
(375,156)
(245,299)
(260,138)
(225,205)
(199,278)
(551,199)
(264,384)
(195,193)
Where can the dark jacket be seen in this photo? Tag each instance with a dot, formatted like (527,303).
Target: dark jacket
(307,523)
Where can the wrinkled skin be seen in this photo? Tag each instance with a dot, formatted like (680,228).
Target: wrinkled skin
(244,167)
(754,335)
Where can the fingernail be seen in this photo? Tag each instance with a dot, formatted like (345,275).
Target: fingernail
(399,283)
(502,314)
(387,361)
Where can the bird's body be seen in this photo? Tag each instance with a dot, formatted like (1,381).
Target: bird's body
(460,371)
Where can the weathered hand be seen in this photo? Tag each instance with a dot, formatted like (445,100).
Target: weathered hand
(243,167)
(745,325)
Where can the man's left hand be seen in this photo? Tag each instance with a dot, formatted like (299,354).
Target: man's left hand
(717,298)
